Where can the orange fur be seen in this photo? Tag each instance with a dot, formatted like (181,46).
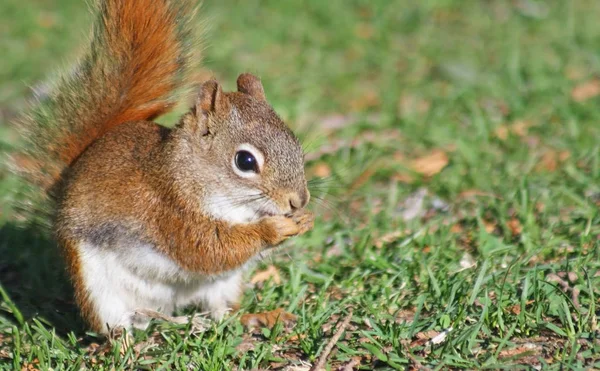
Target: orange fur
(142,53)
(125,184)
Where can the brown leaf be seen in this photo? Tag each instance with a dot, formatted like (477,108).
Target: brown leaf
(369,98)
(514,225)
(410,105)
(403,178)
(548,161)
(267,319)
(46,20)
(501,132)
(431,163)
(586,90)
(296,337)
(31,366)
(246,345)
(423,337)
(405,316)
(364,31)
(490,226)
(388,238)
(472,193)
(322,170)
(456,228)
(525,349)
(362,179)
(551,160)
(520,127)
(262,276)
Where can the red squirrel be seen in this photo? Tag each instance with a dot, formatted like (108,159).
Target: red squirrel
(148,217)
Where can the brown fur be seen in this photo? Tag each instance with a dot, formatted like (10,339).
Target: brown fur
(129,186)
(126,180)
(141,50)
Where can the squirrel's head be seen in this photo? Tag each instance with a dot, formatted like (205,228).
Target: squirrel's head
(245,162)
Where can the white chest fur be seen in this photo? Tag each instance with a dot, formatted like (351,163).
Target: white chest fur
(124,279)
(224,208)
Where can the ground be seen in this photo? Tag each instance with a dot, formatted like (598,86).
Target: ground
(457,143)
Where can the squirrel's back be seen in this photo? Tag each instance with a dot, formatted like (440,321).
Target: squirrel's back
(141,60)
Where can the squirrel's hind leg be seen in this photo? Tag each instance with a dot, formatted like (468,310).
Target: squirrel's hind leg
(218,296)
(109,291)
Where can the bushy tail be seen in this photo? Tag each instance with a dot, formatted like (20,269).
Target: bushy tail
(142,57)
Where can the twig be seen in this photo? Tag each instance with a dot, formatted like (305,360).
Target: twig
(329,347)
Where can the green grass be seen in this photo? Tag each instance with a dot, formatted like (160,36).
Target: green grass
(506,242)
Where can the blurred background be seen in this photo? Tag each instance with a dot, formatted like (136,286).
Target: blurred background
(449,133)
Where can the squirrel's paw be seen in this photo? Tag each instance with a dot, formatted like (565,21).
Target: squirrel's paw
(305,220)
(279,228)
(285,226)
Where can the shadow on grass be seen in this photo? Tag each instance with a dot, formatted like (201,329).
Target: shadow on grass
(32,273)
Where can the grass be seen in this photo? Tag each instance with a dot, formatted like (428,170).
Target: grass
(497,248)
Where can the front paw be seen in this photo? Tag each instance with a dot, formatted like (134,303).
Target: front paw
(281,227)
(304,219)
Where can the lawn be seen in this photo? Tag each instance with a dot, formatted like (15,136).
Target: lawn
(457,145)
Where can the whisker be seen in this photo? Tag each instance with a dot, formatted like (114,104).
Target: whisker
(324,204)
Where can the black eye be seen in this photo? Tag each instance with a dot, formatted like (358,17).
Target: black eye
(246,162)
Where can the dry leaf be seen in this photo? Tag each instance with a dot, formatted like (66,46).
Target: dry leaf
(297,337)
(586,90)
(246,345)
(472,193)
(489,226)
(262,276)
(441,337)
(47,20)
(369,98)
(515,226)
(31,366)
(364,31)
(267,319)
(548,161)
(551,159)
(456,228)
(403,178)
(322,170)
(413,206)
(362,179)
(467,261)
(501,132)
(520,127)
(564,155)
(423,338)
(525,349)
(431,163)
(410,104)
(388,238)
(405,316)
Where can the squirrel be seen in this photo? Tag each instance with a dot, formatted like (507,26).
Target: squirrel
(150,217)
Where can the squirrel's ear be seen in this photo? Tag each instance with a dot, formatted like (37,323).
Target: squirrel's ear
(251,85)
(211,100)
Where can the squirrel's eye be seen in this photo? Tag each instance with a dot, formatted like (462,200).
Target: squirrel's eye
(246,162)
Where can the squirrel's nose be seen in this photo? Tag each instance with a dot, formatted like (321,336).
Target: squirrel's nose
(299,200)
